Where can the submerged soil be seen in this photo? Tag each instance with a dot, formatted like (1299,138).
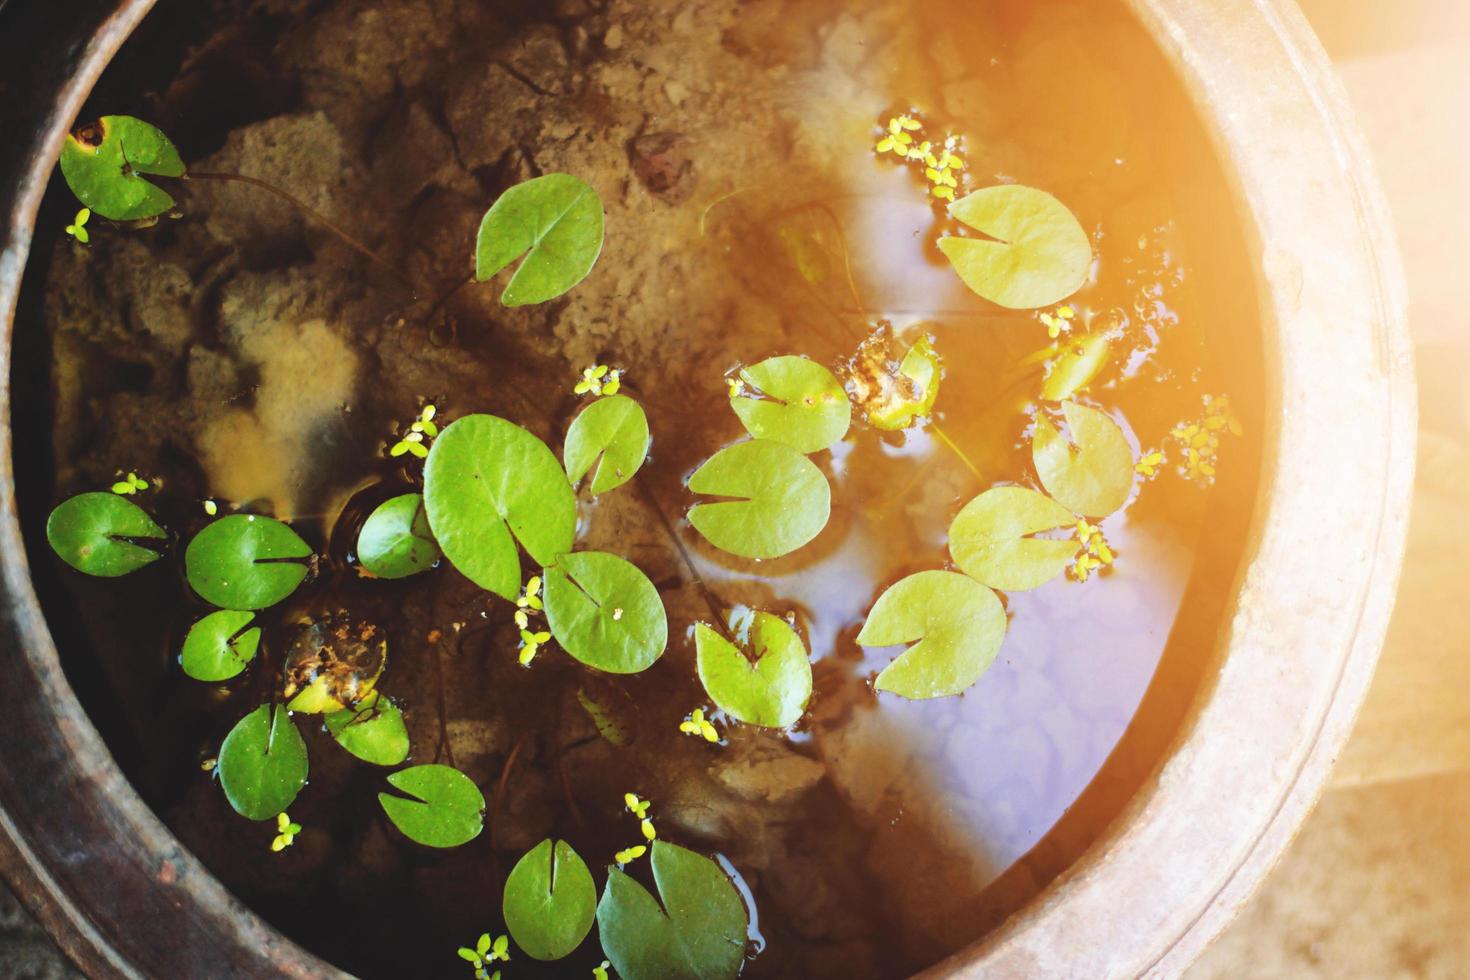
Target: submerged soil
(242,354)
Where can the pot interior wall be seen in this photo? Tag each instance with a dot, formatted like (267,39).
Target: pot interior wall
(202,72)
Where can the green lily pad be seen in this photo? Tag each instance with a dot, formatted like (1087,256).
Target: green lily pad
(698,934)
(769,686)
(990,539)
(1037,252)
(220,645)
(959,625)
(793,400)
(103,164)
(395,540)
(1075,367)
(777,500)
(373,730)
(486,479)
(262,763)
(921,365)
(556,222)
(614,429)
(245,561)
(1096,477)
(550,901)
(444,809)
(605,612)
(96,533)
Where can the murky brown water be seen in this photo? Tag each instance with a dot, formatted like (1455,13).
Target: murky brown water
(882,834)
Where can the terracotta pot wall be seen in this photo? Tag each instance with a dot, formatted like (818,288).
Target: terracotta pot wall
(124,899)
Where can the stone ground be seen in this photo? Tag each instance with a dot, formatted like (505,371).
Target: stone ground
(1376,884)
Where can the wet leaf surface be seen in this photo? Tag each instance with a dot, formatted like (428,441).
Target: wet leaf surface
(443,808)
(611,434)
(778,500)
(605,612)
(1037,253)
(697,934)
(550,901)
(95,533)
(373,731)
(262,763)
(246,561)
(395,540)
(220,645)
(990,539)
(104,164)
(1093,478)
(956,626)
(793,400)
(487,479)
(556,222)
(771,685)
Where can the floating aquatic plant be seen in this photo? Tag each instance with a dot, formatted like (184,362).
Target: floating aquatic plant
(246,561)
(395,541)
(556,222)
(485,953)
(105,164)
(792,400)
(697,933)
(550,901)
(104,535)
(372,730)
(991,539)
(1035,253)
(612,435)
(769,682)
(488,484)
(78,227)
(439,806)
(1093,477)
(956,626)
(286,831)
(772,499)
(262,763)
(220,645)
(605,612)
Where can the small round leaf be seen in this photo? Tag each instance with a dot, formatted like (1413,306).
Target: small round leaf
(1037,253)
(990,539)
(793,400)
(103,164)
(245,561)
(443,807)
(770,686)
(220,645)
(486,479)
(96,533)
(1096,477)
(605,612)
(777,499)
(698,933)
(556,222)
(395,540)
(373,731)
(959,625)
(550,901)
(262,763)
(614,429)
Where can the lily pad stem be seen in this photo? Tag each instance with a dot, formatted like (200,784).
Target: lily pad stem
(934,426)
(311,213)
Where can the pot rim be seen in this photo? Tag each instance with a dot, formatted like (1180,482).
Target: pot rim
(1322,561)
(1333,300)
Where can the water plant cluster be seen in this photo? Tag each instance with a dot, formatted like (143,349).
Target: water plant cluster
(497,502)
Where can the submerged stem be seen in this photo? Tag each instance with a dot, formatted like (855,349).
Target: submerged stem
(311,213)
(934,426)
